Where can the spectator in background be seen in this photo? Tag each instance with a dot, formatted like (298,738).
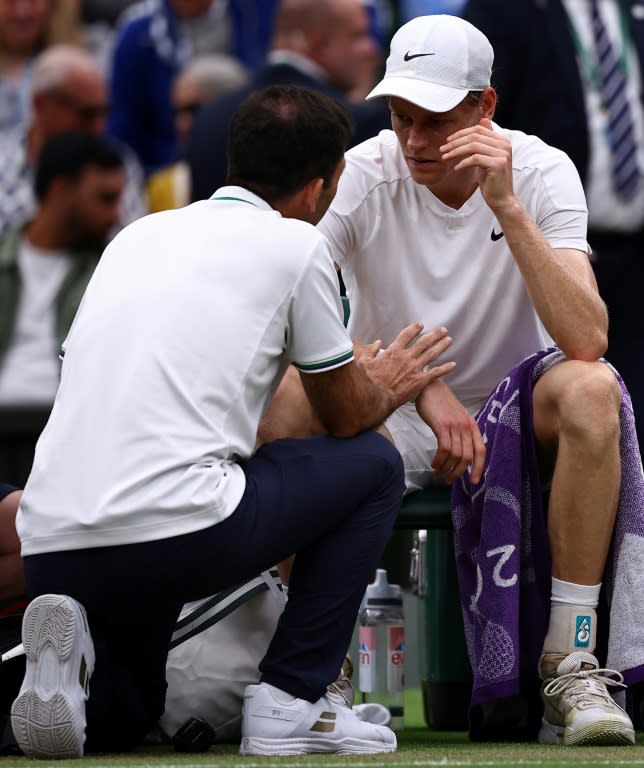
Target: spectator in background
(381,24)
(26,28)
(409,9)
(99,19)
(549,77)
(319,44)
(46,265)
(69,93)
(204,79)
(155,41)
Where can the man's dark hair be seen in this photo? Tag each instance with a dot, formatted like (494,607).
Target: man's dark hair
(68,154)
(283,137)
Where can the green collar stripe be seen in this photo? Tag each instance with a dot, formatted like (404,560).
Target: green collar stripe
(321,364)
(238,199)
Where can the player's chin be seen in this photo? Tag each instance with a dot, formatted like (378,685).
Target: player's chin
(426,174)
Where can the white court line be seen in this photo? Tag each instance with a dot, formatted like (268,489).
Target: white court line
(219,760)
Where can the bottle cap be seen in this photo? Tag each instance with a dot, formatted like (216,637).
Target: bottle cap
(381,593)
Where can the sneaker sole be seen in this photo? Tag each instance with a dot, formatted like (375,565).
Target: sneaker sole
(605,732)
(48,716)
(252,745)
(602,733)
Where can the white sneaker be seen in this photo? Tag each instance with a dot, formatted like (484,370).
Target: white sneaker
(578,708)
(276,723)
(48,717)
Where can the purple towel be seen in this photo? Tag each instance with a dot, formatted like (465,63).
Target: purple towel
(502,551)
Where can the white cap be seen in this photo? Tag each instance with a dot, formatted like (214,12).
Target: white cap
(435,61)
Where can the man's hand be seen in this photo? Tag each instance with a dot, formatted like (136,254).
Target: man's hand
(403,369)
(490,154)
(459,438)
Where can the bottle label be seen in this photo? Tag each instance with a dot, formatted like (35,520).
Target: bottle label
(395,658)
(367,661)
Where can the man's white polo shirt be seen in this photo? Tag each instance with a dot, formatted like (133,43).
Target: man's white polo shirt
(183,334)
(406,256)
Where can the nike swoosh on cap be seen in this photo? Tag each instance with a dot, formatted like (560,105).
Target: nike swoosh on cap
(409,56)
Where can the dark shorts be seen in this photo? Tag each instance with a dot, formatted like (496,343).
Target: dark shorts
(6,489)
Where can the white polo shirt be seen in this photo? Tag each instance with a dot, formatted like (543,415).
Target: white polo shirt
(406,256)
(183,334)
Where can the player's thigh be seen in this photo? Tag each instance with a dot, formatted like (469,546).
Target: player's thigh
(416,443)
(298,493)
(313,484)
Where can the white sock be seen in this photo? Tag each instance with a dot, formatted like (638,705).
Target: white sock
(573,620)
(574,594)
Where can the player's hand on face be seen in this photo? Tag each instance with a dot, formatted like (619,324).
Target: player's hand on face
(405,367)
(460,443)
(490,154)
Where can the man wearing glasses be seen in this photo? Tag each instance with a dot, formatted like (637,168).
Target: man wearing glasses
(69,93)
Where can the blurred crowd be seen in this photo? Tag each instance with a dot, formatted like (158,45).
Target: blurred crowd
(156,82)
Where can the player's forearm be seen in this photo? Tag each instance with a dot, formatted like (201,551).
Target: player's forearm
(361,394)
(560,285)
(364,405)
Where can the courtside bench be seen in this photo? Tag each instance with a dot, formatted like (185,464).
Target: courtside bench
(446,678)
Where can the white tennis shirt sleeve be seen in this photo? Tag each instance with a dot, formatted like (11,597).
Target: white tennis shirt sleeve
(317,339)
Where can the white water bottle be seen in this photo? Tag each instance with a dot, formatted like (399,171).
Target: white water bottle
(381,637)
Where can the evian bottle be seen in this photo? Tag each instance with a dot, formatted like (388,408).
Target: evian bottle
(381,638)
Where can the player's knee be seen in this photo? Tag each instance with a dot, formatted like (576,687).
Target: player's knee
(395,470)
(590,404)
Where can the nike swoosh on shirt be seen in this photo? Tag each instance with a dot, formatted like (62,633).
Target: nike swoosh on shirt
(494,236)
(409,56)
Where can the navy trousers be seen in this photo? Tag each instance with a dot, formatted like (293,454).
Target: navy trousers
(331,502)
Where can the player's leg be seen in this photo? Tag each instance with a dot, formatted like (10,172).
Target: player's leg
(334,503)
(97,627)
(12,580)
(576,422)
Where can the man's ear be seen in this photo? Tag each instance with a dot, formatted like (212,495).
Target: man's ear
(302,205)
(488,102)
(59,190)
(311,192)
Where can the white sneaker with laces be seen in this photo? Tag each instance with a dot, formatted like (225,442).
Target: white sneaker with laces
(579,710)
(276,723)
(48,716)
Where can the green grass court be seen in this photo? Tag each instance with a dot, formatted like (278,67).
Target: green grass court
(418,746)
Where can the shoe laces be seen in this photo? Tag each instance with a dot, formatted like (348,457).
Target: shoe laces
(578,685)
(341,692)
